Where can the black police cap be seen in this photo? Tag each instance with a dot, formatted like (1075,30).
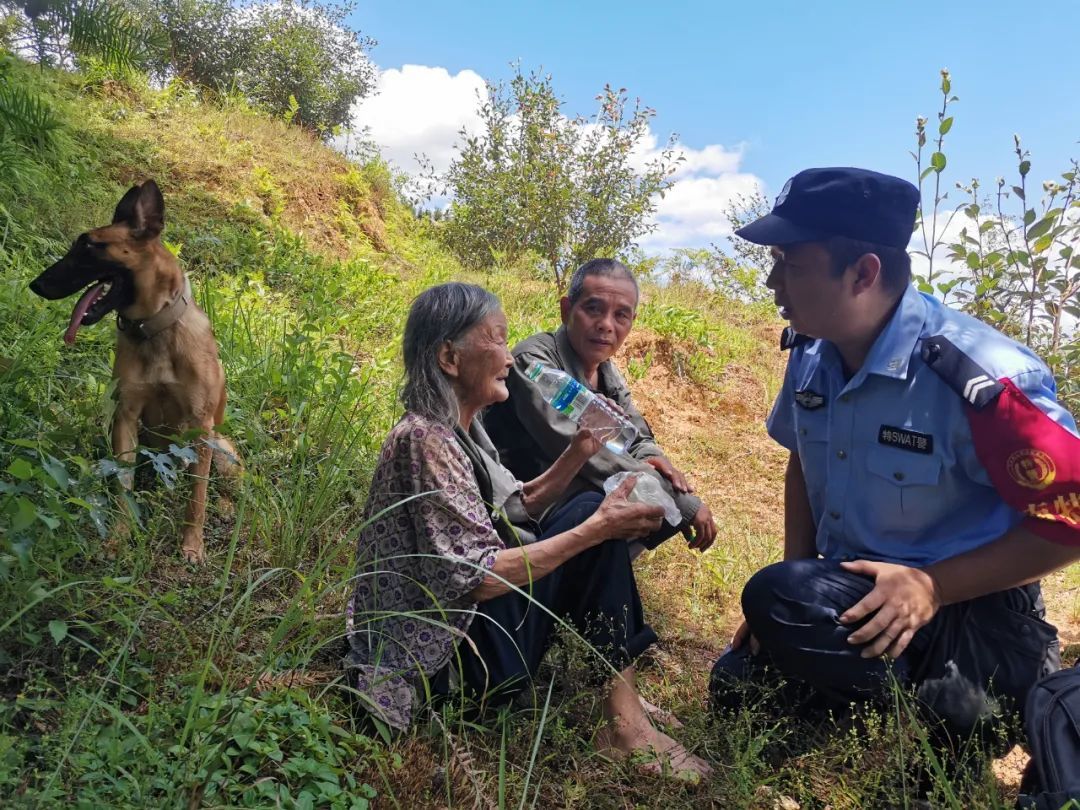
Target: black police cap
(859,204)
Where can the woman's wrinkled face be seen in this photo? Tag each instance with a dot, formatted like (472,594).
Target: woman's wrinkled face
(484,363)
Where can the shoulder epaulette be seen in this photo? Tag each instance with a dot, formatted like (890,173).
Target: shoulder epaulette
(962,374)
(789,339)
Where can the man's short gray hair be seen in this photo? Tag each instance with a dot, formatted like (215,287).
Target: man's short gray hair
(439,314)
(599,267)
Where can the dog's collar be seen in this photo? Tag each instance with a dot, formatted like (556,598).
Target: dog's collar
(146,328)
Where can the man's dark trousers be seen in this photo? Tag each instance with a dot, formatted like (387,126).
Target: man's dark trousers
(594,592)
(999,643)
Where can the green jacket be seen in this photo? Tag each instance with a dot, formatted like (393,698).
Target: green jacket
(530,434)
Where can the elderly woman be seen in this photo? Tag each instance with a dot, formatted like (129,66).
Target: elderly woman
(454,549)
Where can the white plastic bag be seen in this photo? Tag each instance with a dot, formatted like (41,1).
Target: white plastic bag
(647,490)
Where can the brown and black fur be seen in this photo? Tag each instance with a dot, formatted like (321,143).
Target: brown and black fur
(168,384)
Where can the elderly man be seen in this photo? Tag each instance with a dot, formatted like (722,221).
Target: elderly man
(933,477)
(597,314)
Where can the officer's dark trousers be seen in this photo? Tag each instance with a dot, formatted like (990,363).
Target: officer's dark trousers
(999,643)
(594,592)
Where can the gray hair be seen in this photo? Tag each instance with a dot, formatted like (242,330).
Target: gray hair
(439,314)
(599,267)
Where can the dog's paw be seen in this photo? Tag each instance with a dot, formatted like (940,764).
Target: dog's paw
(194,555)
(193,548)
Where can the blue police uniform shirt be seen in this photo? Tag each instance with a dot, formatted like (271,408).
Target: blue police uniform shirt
(890,466)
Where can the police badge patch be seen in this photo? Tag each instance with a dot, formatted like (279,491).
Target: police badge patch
(811,400)
(783,195)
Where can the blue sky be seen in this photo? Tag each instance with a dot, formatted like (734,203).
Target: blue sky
(776,87)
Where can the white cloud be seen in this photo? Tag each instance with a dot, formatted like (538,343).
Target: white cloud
(421,110)
(691,214)
(712,160)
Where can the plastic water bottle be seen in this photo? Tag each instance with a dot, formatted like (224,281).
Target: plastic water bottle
(579,404)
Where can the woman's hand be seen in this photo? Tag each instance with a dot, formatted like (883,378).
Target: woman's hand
(614,406)
(619,517)
(550,485)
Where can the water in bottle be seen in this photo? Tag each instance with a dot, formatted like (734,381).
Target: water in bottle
(578,403)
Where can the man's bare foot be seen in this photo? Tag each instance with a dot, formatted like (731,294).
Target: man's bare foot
(664,756)
(661,716)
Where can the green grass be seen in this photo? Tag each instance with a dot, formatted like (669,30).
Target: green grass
(138,681)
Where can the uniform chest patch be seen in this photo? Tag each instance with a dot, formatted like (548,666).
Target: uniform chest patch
(905,439)
(811,400)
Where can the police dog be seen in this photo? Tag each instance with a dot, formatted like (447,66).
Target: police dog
(168,379)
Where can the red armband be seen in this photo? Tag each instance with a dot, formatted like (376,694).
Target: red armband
(1033,462)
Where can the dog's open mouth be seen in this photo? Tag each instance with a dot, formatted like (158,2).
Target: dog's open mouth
(98,300)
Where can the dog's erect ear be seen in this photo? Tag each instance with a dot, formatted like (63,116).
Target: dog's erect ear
(125,209)
(142,209)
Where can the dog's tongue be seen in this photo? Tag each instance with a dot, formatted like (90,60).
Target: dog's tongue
(80,310)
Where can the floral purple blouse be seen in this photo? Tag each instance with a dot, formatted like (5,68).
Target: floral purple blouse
(427,543)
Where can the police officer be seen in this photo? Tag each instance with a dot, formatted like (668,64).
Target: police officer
(933,477)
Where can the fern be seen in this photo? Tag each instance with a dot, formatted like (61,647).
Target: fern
(103,29)
(25,117)
(13,162)
(18,172)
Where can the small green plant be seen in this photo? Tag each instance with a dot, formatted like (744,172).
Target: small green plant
(637,369)
(25,117)
(282,749)
(291,110)
(1014,262)
(273,200)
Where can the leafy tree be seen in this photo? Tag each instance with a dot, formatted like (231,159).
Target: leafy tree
(740,270)
(567,189)
(205,42)
(296,58)
(732,278)
(305,63)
